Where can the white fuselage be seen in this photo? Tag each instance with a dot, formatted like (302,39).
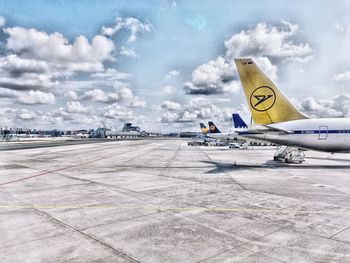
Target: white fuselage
(328,134)
(222,136)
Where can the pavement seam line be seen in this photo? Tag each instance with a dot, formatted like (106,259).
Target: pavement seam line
(224,170)
(60,169)
(170,208)
(119,253)
(339,232)
(245,243)
(33,240)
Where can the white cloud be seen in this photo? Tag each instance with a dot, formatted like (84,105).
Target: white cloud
(187,116)
(199,108)
(267,67)
(11,115)
(100,96)
(342,28)
(73,116)
(63,114)
(169,117)
(125,94)
(71,95)
(75,107)
(128,52)
(338,106)
(38,64)
(30,98)
(36,97)
(344,76)
(168,90)
(214,77)
(26,115)
(28,81)
(267,40)
(37,60)
(131,24)
(117,112)
(122,95)
(54,47)
(8,93)
(54,51)
(137,103)
(261,43)
(211,72)
(16,66)
(2,21)
(171,74)
(171,105)
(111,74)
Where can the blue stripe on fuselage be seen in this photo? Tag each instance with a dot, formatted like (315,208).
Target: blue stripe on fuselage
(305,132)
(320,131)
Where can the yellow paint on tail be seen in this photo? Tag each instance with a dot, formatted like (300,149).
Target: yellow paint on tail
(205,130)
(266,102)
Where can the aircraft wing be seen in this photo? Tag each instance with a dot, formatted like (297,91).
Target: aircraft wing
(273,128)
(263,129)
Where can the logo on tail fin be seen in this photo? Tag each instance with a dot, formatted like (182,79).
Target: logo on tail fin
(204,129)
(213,128)
(263,98)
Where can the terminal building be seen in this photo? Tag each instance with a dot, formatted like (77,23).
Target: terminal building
(188,134)
(128,131)
(128,127)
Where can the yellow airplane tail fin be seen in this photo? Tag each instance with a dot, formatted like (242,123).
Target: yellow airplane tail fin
(204,129)
(266,102)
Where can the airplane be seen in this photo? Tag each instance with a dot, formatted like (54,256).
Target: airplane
(204,129)
(238,122)
(212,132)
(276,120)
(213,128)
(215,133)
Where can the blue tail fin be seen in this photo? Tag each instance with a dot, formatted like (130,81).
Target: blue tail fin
(213,128)
(238,122)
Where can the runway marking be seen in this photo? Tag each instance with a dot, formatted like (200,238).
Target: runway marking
(166,208)
(53,171)
(61,169)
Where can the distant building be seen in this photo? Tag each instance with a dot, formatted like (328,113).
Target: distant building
(189,134)
(8,134)
(129,128)
(99,133)
(150,134)
(172,134)
(128,131)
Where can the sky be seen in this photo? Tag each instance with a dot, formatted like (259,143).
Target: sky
(166,65)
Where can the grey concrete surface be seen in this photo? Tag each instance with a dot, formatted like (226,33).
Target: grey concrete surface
(18,145)
(163,201)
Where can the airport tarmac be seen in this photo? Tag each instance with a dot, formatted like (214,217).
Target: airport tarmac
(30,144)
(163,201)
